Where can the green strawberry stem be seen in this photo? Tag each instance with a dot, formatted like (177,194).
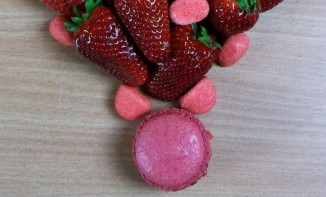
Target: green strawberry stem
(249,6)
(204,38)
(80,18)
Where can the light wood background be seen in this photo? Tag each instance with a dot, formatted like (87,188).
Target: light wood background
(60,135)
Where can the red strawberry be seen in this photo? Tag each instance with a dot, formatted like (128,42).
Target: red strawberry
(64,7)
(100,38)
(189,62)
(229,17)
(268,4)
(148,23)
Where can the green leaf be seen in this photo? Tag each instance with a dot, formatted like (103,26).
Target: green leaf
(195,30)
(77,11)
(77,20)
(249,6)
(204,38)
(69,24)
(194,27)
(85,16)
(204,31)
(89,6)
(217,45)
(80,17)
(97,3)
(73,29)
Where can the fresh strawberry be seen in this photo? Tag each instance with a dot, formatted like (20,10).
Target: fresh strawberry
(268,4)
(148,23)
(64,7)
(189,62)
(229,17)
(100,38)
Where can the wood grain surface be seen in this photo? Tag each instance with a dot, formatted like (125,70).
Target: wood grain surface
(60,135)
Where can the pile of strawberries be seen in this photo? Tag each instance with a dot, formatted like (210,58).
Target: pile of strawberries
(136,41)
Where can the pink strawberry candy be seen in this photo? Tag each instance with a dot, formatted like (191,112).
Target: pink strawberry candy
(201,98)
(59,32)
(234,48)
(185,12)
(131,104)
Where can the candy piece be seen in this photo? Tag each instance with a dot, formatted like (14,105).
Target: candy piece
(185,12)
(59,32)
(131,104)
(171,149)
(201,98)
(234,48)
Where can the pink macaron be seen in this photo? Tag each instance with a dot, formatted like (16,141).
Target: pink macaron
(171,149)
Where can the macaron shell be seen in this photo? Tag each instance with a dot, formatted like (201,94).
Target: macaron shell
(171,149)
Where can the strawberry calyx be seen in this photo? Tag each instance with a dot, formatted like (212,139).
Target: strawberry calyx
(250,6)
(203,37)
(80,17)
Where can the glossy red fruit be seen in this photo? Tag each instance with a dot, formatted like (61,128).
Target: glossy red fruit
(189,62)
(228,17)
(64,7)
(102,40)
(147,21)
(268,4)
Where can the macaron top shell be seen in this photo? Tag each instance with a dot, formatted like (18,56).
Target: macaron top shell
(171,149)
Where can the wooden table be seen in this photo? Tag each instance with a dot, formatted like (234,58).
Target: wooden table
(60,135)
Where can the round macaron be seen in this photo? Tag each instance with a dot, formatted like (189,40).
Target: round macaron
(171,149)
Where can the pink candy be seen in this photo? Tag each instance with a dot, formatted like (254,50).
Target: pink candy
(172,149)
(59,32)
(131,104)
(185,12)
(201,98)
(234,48)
